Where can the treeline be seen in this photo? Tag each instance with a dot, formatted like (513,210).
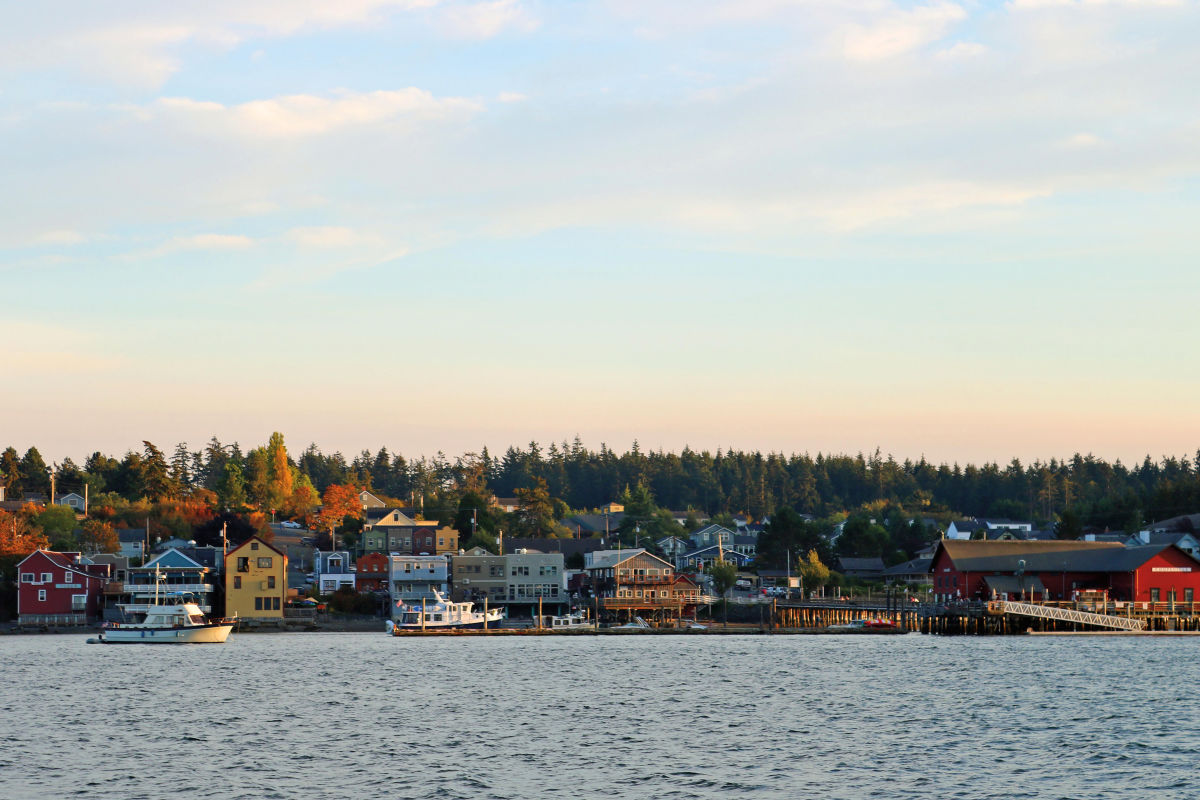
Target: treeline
(1096,493)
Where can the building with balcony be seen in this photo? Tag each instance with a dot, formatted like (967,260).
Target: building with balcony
(634,582)
(631,573)
(172,571)
(413,579)
(255,580)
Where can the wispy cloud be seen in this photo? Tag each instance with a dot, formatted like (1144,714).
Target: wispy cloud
(146,48)
(487,19)
(302,115)
(195,242)
(900,31)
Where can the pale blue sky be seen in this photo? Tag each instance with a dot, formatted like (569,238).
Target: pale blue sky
(963,230)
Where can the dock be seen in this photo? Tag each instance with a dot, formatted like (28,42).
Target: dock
(1006,617)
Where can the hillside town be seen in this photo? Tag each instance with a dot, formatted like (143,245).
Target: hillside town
(280,577)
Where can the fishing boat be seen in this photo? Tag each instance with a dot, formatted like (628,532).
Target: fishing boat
(443,614)
(173,618)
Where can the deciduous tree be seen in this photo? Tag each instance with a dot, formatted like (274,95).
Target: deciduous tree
(99,537)
(19,535)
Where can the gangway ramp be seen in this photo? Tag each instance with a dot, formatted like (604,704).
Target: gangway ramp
(998,607)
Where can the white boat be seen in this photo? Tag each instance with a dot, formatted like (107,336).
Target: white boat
(173,618)
(576,620)
(443,614)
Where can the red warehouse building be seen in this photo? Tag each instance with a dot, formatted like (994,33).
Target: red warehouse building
(1054,570)
(59,589)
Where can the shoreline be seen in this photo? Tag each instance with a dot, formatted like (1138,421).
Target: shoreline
(377,627)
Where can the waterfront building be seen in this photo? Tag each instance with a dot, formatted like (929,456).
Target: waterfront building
(633,573)
(255,580)
(533,577)
(56,588)
(172,571)
(1055,570)
(413,579)
(479,573)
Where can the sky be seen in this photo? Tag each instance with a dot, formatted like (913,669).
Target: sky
(959,230)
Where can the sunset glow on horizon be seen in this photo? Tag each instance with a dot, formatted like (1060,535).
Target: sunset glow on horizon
(958,231)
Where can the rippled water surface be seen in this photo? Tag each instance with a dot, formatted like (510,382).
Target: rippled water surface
(368,716)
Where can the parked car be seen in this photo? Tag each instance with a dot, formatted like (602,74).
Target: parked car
(287,523)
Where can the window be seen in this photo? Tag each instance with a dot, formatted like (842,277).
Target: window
(47,577)
(258,604)
(243,565)
(254,545)
(441,542)
(41,595)
(79,602)
(1154,595)
(237,581)
(270,581)
(1171,596)
(26,577)
(1188,595)
(275,603)
(264,562)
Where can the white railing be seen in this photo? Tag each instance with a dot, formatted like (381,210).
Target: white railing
(1066,615)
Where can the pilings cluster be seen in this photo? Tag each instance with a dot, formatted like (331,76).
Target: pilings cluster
(973,619)
(822,615)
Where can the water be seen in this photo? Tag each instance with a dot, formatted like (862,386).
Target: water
(368,716)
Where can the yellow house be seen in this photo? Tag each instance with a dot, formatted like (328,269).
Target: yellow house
(255,580)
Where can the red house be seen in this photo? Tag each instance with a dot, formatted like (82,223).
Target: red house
(59,589)
(372,572)
(1054,570)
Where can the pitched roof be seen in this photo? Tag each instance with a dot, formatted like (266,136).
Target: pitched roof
(910,567)
(604,559)
(860,564)
(1048,556)
(263,542)
(172,558)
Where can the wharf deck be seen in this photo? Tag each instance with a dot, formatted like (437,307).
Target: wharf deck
(1001,617)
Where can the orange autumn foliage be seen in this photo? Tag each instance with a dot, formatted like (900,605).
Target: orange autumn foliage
(19,536)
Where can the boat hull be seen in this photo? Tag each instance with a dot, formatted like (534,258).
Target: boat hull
(199,634)
(453,626)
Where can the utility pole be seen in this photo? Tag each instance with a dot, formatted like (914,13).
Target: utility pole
(53,477)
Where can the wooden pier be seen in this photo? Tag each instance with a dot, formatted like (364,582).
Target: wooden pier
(815,615)
(1000,617)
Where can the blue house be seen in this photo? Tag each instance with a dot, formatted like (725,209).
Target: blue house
(171,571)
(703,557)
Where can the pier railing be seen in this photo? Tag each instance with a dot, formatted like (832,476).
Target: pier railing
(999,607)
